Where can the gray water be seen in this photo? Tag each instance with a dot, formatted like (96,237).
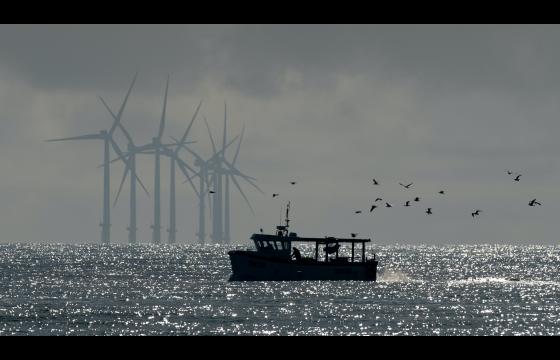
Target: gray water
(183,290)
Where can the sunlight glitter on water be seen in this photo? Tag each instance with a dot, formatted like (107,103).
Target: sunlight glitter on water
(169,290)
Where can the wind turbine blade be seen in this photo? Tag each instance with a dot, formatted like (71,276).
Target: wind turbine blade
(237,172)
(117,149)
(119,114)
(188,128)
(121,185)
(162,122)
(238,145)
(126,134)
(225,129)
(210,134)
(242,193)
(183,145)
(221,151)
(142,185)
(82,137)
(184,171)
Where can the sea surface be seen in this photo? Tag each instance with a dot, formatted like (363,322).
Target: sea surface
(184,290)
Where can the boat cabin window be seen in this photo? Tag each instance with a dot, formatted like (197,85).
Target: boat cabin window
(268,245)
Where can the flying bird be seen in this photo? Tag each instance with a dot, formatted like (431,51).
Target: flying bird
(353,234)
(429,211)
(375,182)
(509,172)
(372,207)
(358,211)
(405,186)
(407,203)
(477,212)
(517,178)
(378,199)
(534,202)
(261,230)
(292,182)
(275,195)
(441,192)
(417,199)
(212,192)
(388,205)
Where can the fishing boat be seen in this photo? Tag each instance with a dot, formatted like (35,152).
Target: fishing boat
(274,258)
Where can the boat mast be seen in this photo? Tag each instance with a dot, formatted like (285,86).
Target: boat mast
(287,216)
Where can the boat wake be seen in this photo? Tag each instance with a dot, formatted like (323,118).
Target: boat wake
(390,276)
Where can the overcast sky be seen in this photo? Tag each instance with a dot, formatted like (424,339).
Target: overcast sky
(330,106)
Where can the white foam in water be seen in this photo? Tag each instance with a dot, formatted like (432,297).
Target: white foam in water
(390,275)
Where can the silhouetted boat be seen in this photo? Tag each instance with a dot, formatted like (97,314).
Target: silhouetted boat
(272,259)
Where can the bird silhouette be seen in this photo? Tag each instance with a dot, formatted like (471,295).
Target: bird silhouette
(476,213)
(378,199)
(441,192)
(429,211)
(407,203)
(358,211)
(509,172)
(275,195)
(372,207)
(388,205)
(417,199)
(292,182)
(261,230)
(517,178)
(375,182)
(534,202)
(212,192)
(353,234)
(405,186)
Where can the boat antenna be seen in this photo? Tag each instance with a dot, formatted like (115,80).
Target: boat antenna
(287,216)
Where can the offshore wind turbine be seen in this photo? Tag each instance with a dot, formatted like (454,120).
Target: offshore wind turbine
(107,137)
(172,230)
(130,166)
(221,167)
(157,148)
(203,166)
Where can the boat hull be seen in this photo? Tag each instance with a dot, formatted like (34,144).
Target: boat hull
(251,266)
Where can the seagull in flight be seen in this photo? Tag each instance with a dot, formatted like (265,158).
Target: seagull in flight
(517,178)
(406,186)
(378,199)
(407,203)
(417,199)
(477,212)
(353,234)
(534,202)
(388,205)
(509,172)
(275,195)
(292,182)
(375,182)
(372,207)
(358,211)
(212,192)
(441,192)
(429,211)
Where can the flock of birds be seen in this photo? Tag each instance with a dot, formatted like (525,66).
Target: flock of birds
(515,176)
